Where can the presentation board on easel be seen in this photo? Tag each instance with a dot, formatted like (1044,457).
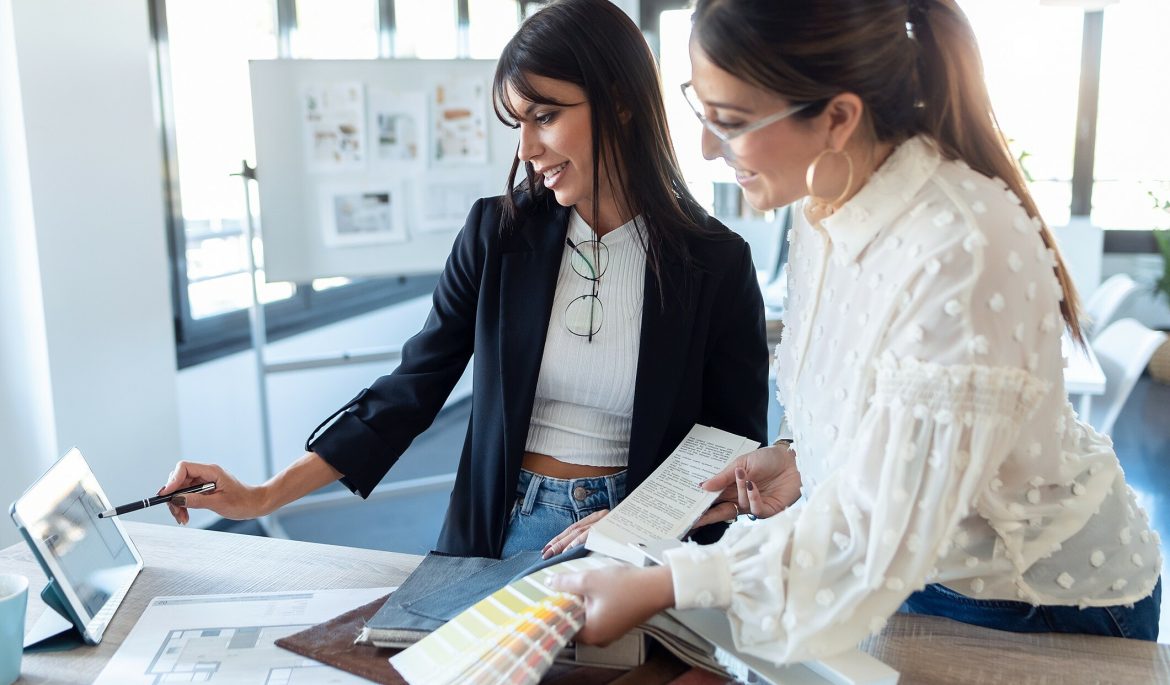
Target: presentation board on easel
(369,167)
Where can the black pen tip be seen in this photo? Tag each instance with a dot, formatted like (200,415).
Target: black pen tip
(101,514)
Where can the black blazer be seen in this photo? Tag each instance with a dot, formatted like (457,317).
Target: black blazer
(703,359)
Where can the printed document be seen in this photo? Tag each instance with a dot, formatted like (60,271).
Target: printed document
(667,503)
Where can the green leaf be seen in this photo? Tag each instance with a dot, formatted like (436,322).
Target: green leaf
(1163,284)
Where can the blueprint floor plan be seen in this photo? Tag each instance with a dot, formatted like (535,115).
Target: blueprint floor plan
(228,640)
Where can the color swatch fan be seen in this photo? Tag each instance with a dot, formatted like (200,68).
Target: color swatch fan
(511,636)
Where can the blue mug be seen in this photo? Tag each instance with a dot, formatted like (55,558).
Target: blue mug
(13,600)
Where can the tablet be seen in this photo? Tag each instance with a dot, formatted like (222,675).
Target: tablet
(90,560)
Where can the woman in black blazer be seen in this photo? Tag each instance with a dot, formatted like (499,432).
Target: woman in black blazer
(580,83)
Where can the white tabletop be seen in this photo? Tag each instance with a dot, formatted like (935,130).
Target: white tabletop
(1082,372)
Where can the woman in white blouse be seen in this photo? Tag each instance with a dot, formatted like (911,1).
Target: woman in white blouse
(943,470)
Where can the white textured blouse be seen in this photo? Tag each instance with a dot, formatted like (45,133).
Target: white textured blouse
(921,372)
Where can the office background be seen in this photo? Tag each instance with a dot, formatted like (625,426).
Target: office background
(121,285)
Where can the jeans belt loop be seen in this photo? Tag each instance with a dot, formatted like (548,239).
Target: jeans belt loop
(530,494)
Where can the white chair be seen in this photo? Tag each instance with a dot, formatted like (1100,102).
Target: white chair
(1123,349)
(1107,301)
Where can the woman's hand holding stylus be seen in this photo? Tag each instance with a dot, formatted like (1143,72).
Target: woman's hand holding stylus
(235,500)
(230,499)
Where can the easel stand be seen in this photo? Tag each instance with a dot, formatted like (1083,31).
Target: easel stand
(259,336)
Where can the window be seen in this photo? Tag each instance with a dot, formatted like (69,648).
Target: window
(491,25)
(1133,148)
(210,43)
(1032,62)
(427,29)
(204,47)
(336,29)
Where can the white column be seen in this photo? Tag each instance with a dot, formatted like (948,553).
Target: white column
(94,347)
(26,410)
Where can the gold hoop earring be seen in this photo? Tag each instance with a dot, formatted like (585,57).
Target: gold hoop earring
(819,206)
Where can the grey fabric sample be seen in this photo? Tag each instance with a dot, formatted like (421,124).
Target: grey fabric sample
(442,586)
(435,572)
(463,589)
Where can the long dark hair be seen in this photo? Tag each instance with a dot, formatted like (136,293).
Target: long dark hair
(595,46)
(915,65)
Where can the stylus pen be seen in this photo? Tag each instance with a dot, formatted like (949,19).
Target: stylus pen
(161,499)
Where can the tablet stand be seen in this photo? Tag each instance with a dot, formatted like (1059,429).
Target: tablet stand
(54,630)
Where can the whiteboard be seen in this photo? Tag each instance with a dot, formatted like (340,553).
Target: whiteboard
(369,167)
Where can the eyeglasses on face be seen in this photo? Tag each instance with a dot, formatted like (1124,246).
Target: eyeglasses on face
(727,135)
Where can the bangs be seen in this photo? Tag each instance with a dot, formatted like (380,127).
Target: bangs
(510,73)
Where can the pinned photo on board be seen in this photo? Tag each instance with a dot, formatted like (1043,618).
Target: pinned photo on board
(334,125)
(398,119)
(459,112)
(445,200)
(362,216)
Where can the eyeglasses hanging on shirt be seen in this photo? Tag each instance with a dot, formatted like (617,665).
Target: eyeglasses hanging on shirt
(584,315)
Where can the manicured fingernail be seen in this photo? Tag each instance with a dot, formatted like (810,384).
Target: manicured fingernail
(180,501)
(740,474)
(751,486)
(702,483)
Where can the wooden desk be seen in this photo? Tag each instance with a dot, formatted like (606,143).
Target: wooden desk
(191,561)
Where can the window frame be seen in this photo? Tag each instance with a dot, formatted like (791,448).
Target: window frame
(202,340)
(1116,241)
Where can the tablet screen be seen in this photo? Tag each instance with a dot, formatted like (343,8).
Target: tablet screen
(90,557)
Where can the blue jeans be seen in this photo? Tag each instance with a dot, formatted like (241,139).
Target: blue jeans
(547,506)
(1139,622)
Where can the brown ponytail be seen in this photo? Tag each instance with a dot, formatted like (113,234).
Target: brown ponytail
(914,63)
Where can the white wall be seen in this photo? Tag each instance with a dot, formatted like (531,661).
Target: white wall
(88,218)
(26,410)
